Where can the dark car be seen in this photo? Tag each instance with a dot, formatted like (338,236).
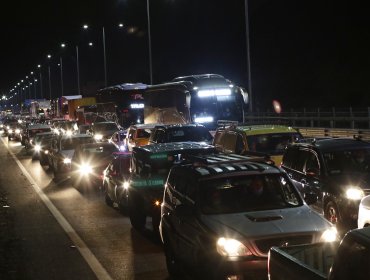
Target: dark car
(102,131)
(336,170)
(40,146)
(116,180)
(30,132)
(62,151)
(14,131)
(180,133)
(88,164)
(221,214)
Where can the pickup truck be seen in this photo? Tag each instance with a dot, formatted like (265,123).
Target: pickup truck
(347,259)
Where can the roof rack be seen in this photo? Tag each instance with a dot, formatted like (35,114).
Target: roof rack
(224,123)
(202,160)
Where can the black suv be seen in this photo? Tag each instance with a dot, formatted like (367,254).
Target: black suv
(222,213)
(336,170)
(180,133)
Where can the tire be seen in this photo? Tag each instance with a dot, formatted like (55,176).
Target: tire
(174,267)
(136,213)
(331,213)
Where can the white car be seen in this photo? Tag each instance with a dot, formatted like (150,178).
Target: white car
(364,213)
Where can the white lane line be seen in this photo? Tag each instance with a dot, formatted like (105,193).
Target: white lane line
(94,264)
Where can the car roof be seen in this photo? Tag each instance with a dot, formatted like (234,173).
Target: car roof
(179,125)
(76,136)
(144,126)
(266,129)
(100,144)
(221,164)
(173,147)
(332,144)
(38,126)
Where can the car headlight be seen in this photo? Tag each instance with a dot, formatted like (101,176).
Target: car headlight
(10,130)
(126,185)
(17,131)
(37,148)
(329,235)
(69,132)
(46,152)
(98,137)
(122,148)
(228,247)
(354,193)
(85,169)
(66,160)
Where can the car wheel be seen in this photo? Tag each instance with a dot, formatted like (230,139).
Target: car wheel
(136,214)
(331,213)
(172,262)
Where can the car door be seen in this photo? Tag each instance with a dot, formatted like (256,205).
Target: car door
(185,221)
(112,174)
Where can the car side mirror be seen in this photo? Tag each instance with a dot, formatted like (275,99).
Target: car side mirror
(310,198)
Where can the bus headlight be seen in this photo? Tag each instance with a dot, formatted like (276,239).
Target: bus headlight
(229,247)
(354,193)
(329,235)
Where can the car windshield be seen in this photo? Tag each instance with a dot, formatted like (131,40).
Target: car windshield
(273,143)
(183,134)
(33,132)
(72,143)
(350,160)
(105,126)
(247,193)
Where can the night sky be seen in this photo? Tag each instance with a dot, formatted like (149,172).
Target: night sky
(303,53)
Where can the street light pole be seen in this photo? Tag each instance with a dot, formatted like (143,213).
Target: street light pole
(61,75)
(49,56)
(248,57)
(149,44)
(105,59)
(78,71)
(41,93)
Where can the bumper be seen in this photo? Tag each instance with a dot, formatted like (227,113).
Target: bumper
(243,269)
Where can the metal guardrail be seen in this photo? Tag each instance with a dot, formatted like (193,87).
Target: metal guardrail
(348,118)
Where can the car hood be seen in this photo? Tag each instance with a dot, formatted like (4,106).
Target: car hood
(265,223)
(105,132)
(67,153)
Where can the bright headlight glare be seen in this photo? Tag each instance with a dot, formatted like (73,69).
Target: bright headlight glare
(122,148)
(231,248)
(126,185)
(85,169)
(98,137)
(17,131)
(69,132)
(46,152)
(10,130)
(329,235)
(66,160)
(37,148)
(355,193)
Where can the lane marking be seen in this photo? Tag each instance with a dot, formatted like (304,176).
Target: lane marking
(86,253)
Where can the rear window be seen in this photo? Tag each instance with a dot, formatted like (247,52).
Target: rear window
(271,143)
(183,134)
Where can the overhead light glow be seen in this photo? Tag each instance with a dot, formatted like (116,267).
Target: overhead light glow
(203,119)
(137,105)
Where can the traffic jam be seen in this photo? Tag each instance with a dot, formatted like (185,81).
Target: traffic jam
(227,200)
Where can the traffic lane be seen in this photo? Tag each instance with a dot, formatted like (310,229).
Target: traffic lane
(38,246)
(124,253)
